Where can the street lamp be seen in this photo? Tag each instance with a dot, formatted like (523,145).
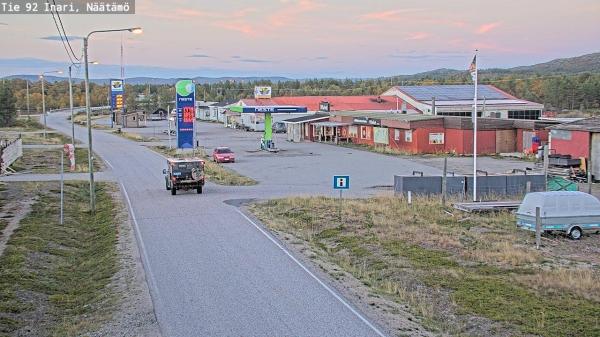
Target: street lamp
(134,30)
(44,94)
(71,98)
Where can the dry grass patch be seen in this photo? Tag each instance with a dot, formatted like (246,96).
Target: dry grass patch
(462,274)
(54,279)
(48,161)
(584,282)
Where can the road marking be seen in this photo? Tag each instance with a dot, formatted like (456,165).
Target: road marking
(109,165)
(149,275)
(341,300)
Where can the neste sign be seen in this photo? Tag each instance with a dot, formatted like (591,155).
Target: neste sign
(186,113)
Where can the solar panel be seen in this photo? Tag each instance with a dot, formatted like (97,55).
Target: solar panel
(453,92)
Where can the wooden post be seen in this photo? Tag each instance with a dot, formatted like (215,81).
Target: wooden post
(444,181)
(538,227)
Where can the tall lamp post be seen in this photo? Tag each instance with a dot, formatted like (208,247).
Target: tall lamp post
(44,95)
(135,30)
(71,98)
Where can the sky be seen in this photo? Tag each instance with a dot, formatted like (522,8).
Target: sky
(307,38)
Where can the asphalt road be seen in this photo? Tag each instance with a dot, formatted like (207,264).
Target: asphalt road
(211,270)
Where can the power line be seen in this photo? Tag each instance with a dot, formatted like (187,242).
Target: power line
(60,34)
(65,33)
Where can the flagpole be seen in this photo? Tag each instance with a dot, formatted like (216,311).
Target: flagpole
(475,133)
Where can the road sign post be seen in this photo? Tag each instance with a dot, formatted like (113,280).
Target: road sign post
(341,183)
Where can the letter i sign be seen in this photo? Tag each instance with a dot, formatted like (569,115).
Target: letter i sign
(341,182)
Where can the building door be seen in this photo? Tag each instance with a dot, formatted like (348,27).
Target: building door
(527,140)
(595,156)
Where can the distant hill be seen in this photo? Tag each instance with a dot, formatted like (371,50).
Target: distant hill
(155,80)
(572,65)
(568,66)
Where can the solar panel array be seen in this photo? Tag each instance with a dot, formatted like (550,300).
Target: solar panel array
(453,92)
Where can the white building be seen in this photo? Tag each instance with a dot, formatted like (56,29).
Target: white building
(457,100)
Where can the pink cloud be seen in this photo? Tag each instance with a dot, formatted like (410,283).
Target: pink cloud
(418,36)
(240,27)
(486,28)
(288,14)
(390,15)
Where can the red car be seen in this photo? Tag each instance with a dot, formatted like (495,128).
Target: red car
(223,155)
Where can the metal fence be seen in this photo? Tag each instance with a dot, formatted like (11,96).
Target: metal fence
(10,151)
(497,185)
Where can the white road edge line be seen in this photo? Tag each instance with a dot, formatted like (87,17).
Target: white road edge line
(109,164)
(145,261)
(341,300)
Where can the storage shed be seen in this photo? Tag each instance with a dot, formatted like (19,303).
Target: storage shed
(579,139)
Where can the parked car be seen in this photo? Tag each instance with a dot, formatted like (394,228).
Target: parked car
(223,154)
(279,127)
(570,212)
(184,174)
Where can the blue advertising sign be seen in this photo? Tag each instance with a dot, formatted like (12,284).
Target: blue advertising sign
(341,182)
(117,90)
(186,113)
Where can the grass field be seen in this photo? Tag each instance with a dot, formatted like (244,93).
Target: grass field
(29,125)
(461,274)
(48,161)
(214,172)
(54,278)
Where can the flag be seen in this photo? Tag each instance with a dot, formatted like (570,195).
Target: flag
(473,68)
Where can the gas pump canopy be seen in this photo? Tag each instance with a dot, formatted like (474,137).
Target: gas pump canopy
(267,139)
(269,109)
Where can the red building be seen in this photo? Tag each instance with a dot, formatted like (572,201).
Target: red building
(432,134)
(577,139)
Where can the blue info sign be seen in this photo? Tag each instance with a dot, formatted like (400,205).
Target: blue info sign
(341,182)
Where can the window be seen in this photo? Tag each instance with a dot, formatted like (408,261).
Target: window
(408,136)
(436,138)
(396,134)
(364,133)
(353,131)
(524,114)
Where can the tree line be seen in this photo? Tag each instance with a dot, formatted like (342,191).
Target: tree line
(556,92)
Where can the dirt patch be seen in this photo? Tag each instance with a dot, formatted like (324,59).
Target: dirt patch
(15,207)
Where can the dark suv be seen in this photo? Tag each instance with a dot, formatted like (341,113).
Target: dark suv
(184,174)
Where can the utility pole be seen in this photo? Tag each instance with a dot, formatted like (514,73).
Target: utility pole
(27,81)
(89,124)
(43,105)
(71,107)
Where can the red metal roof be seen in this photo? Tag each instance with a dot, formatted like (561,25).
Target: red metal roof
(336,103)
